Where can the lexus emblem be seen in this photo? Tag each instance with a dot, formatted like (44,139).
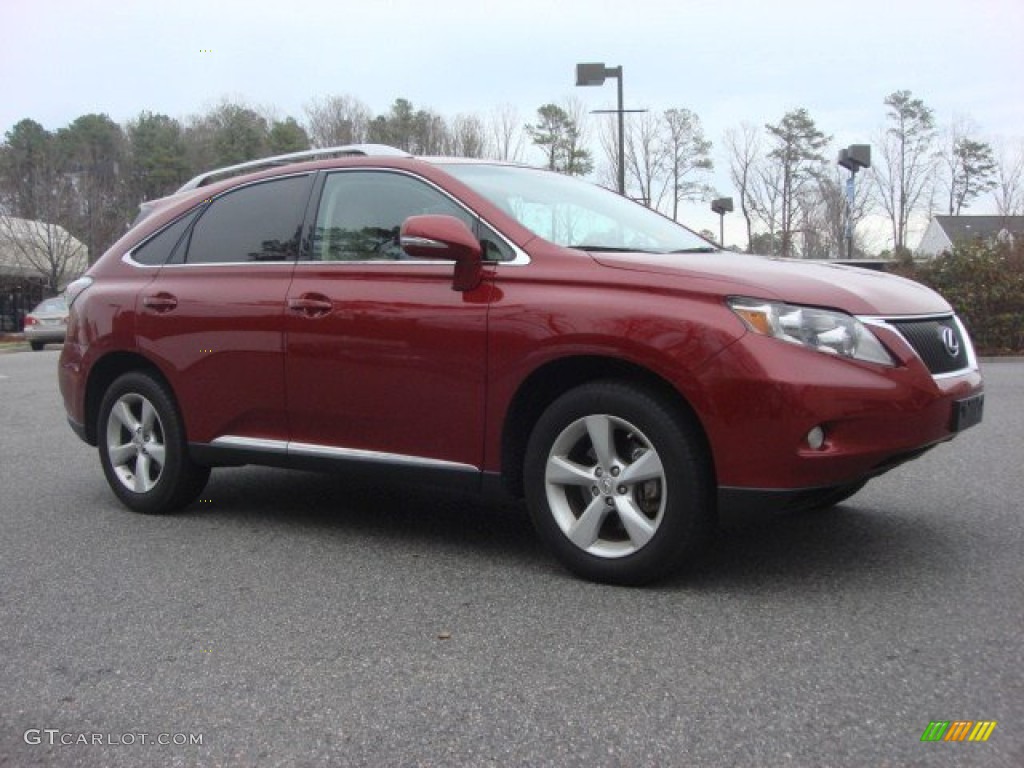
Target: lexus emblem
(951,342)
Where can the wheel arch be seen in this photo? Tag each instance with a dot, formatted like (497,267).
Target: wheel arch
(553,379)
(104,372)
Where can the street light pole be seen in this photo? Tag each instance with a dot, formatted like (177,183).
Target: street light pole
(853,158)
(595,74)
(721,206)
(622,136)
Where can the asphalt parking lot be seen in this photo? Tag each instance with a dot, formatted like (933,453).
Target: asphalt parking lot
(289,619)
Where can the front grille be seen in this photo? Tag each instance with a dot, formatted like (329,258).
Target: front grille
(929,339)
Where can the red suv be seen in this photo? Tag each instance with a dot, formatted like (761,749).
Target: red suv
(498,327)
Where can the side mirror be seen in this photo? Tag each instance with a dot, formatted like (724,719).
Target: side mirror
(444,237)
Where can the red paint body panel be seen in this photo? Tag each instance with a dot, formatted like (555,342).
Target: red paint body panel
(397,366)
(858,291)
(222,346)
(387,357)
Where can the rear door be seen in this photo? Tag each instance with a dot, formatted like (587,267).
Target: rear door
(385,361)
(213,317)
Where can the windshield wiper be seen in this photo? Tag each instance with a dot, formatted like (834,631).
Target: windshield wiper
(609,249)
(697,249)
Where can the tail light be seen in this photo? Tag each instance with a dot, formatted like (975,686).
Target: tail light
(30,320)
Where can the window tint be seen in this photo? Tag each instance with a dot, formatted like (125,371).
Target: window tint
(159,248)
(260,222)
(495,249)
(361,213)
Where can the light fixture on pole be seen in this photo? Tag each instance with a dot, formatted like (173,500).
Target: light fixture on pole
(595,74)
(721,206)
(853,158)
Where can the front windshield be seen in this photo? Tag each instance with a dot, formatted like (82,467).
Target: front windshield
(575,213)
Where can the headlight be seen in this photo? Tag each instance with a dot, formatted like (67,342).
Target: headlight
(834,333)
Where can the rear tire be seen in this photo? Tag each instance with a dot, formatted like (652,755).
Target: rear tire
(618,485)
(142,447)
(36,345)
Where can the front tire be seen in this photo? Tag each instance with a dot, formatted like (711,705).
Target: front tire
(618,484)
(143,449)
(37,346)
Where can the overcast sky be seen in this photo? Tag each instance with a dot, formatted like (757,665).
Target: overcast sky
(728,61)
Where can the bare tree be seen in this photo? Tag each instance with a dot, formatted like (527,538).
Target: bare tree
(688,157)
(968,164)
(646,159)
(666,158)
(506,134)
(766,201)
(825,214)
(903,172)
(743,148)
(468,137)
(43,249)
(1009,189)
(608,139)
(337,120)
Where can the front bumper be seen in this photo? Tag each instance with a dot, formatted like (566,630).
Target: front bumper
(765,396)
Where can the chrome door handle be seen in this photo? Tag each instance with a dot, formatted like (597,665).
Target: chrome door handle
(161,302)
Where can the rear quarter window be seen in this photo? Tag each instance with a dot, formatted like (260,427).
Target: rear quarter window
(258,223)
(160,248)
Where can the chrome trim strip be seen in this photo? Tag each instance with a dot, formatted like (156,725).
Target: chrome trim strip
(521,259)
(887,322)
(312,450)
(251,443)
(349,150)
(411,262)
(331,452)
(423,242)
(886,319)
(197,265)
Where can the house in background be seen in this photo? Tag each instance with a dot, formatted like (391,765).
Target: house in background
(37,260)
(944,232)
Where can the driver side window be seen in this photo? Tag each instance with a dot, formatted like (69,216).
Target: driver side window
(361,212)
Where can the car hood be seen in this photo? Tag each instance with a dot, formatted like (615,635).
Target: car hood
(851,289)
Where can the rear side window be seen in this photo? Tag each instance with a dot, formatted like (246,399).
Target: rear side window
(258,223)
(160,248)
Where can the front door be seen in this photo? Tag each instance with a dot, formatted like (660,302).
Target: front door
(385,361)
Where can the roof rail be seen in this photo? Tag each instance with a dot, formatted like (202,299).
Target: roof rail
(355,150)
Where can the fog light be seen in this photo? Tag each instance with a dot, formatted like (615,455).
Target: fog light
(816,438)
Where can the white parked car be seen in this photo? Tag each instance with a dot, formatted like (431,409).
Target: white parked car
(47,323)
